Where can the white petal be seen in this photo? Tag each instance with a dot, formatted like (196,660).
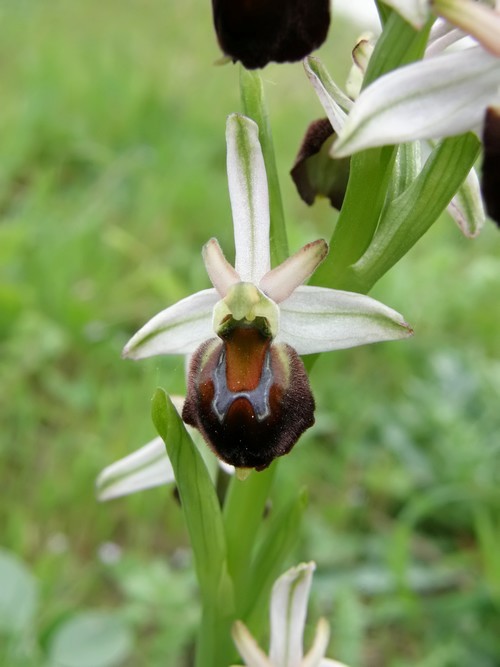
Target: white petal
(179,329)
(443,34)
(466,207)
(248,648)
(475,18)
(415,12)
(248,191)
(320,644)
(318,319)
(435,97)
(145,468)
(279,283)
(326,662)
(219,270)
(331,97)
(288,615)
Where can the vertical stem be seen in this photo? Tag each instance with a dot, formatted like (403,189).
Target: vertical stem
(214,645)
(254,106)
(245,502)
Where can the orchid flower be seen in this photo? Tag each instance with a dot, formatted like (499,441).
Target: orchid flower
(289,599)
(248,392)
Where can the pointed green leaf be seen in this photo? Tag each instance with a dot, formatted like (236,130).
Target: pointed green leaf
(409,216)
(198,497)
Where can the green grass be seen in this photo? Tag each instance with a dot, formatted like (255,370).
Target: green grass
(112,175)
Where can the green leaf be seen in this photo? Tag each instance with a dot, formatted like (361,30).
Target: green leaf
(198,497)
(18,594)
(409,216)
(91,639)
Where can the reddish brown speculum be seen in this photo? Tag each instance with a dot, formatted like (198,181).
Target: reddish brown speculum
(249,398)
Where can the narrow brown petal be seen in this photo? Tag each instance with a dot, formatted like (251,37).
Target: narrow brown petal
(490,183)
(250,400)
(257,32)
(315,173)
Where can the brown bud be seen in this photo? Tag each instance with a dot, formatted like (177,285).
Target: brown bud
(315,172)
(250,399)
(490,182)
(257,32)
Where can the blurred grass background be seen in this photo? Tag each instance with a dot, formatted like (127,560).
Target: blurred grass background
(112,176)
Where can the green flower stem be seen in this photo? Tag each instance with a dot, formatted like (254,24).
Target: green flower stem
(214,644)
(254,106)
(243,511)
(371,170)
(203,518)
(370,175)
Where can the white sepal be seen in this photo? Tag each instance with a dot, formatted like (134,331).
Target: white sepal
(442,35)
(289,600)
(334,101)
(475,18)
(315,654)
(145,468)
(279,283)
(436,97)
(179,329)
(467,208)
(318,319)
(248,648)
(248,192)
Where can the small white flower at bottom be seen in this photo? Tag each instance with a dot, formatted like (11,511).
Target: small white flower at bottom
(287,616)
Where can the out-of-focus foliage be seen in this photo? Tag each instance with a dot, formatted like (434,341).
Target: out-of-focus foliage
(112,175)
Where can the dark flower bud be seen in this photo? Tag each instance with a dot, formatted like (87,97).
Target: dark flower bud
(315,172)
(490,182)
(250,399)
(257,32)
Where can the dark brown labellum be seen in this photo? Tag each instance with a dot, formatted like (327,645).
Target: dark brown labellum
(257,32)
(250,399)
(490,182)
